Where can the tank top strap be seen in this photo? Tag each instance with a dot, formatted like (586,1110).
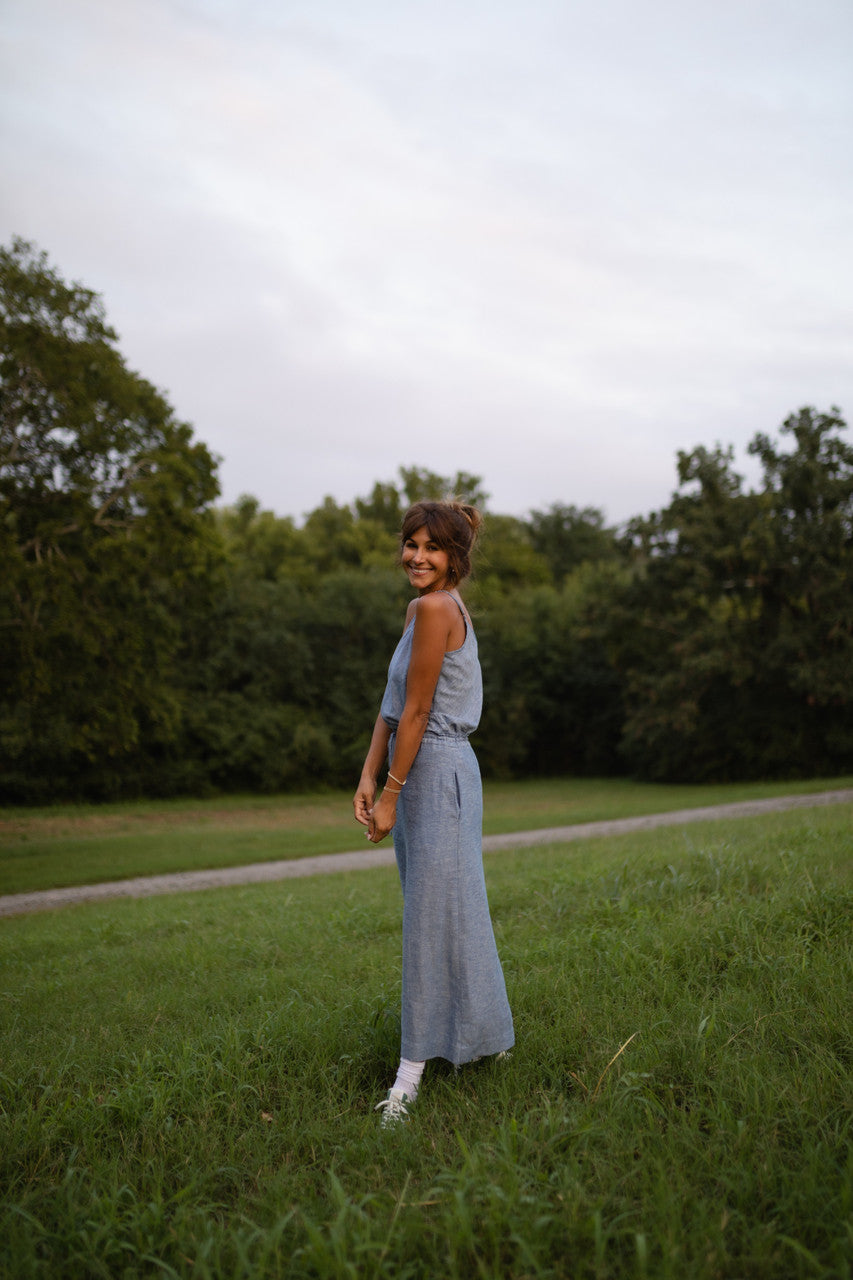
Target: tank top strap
(442,592)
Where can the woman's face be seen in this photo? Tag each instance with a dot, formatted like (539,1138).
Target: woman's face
(426,564)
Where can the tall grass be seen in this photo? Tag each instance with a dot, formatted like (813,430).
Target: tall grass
(188,1083)
(69,845)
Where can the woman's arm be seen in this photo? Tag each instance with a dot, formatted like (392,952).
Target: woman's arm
(433,622)
(366,791)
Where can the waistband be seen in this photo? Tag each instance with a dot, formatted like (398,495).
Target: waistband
(437,735)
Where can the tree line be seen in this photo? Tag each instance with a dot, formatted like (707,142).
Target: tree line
(155,643)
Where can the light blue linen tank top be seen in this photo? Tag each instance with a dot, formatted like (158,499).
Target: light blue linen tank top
(458,699)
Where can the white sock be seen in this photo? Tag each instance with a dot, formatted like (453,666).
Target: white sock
(409,1077)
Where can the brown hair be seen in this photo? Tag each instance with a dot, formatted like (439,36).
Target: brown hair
(452,526)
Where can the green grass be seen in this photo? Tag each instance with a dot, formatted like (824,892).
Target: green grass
(188,1082)
(70,845)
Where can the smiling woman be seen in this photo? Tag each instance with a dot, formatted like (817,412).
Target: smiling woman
(454,998)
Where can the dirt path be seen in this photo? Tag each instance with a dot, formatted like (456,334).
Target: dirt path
(360,859)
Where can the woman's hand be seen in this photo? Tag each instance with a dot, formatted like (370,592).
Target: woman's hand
(365,795)
(383,815)
(362,801)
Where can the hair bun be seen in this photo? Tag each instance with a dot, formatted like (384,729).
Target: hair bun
(471,514)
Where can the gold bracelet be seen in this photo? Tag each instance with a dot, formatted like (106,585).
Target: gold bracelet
(402,783)
(393,790)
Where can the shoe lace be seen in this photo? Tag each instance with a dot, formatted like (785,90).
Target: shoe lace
(393,1108)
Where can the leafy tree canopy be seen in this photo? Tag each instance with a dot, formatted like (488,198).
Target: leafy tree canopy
(569,536)
(103,521)
(151,643)
(361,534)
(737,628)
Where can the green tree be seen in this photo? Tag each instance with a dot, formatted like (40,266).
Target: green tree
(261,545)
(384,507)
(336,538)
(253,697)
(736,633)
(419,483)
(803,573)
(552,693)
(105,537)
(506,559)
(568,536)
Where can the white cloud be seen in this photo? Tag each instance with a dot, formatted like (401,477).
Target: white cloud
(548,244)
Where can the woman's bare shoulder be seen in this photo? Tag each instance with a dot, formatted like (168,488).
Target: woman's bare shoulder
(436,618)
(436,604)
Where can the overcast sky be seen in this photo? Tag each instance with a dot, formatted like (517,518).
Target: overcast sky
(549,242)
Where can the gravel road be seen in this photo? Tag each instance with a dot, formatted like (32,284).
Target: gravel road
(361,859)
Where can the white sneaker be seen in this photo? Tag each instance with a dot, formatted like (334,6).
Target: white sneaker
(393,1108)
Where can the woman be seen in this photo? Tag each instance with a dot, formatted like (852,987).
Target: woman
(454,998)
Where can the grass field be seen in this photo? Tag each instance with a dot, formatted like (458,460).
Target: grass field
(188,1082)
(70,845)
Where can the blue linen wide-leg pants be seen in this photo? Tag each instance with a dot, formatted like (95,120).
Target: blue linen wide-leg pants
(454,1002)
